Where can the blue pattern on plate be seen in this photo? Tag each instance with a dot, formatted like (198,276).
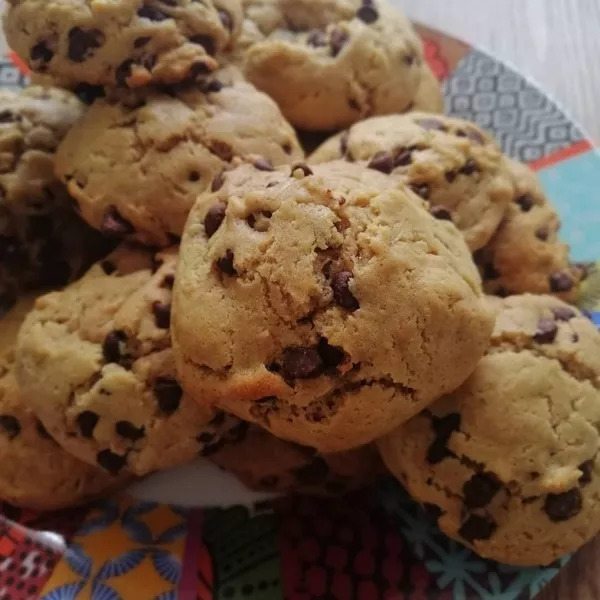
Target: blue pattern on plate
(574,188)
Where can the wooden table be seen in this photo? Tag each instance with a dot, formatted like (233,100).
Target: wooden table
(554,42)
(557,44)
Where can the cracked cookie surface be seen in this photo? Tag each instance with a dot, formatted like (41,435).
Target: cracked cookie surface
(35,472)
(136,164)
(451,163)
(525,254)
(95,362)
(317,304)
(263,462)
(121,43)
(43,243)
(508,463)
(330,63)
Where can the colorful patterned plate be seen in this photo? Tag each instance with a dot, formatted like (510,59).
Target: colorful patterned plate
(375,545)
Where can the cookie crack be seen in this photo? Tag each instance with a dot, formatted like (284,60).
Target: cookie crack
(575,368)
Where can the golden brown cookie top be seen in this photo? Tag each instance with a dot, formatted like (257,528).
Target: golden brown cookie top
(525,254)
(131,43)
(359,60)
(96,363)
(35,472)
(509,460)
(303,291)
(136,162)
(451,163)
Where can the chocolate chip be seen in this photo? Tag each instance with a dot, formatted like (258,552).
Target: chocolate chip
(83,42)
(441,212)
(168,394)
(402,157)
(301,362)
(41,53)
(431,124)
(306,170)
(7,116)
(259,220)
(225,263)
(153,14)
(41,430)
(212,87)
(475,136)
(86,422)
(437,451)
(313,473)
(114,225)
(108,267)
(367,13)
(110,461)
(344,142)
(546,331)
(421,189)
(542,234)
(206,42)
(443,428)
(560,282)
(140,42)
(217,184)
(168,281)
(262,164)
(337,40)
(213,219)
(226,19)
(587,470)
(331,356)
(525,202)
(218,419)
(162,314)
(129,431)
(316,39)
(340,284)
(562,313)
(10,425)
(198,69)
(469,167)
(123,72)
(562,507)
(193,176)
(480,489)
(477,528)
(382,161)
(432,511)
(450,176)
(113,346)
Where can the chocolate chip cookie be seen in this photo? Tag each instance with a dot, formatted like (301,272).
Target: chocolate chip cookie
(168,148)
(263,462)
(96,364)
(330,63)
(509,463)
(122,43)
(43,243)
(449,162)
(318,301)
(525,254)
(35,472)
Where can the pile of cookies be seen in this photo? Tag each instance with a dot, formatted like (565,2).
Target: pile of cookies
(179,278)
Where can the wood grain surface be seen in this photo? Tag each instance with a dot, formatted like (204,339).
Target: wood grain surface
(556,43)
